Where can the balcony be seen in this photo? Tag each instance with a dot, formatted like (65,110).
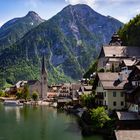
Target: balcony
(99,96)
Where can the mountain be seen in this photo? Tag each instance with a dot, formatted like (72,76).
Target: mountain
(16,28)
(70,41)
(130,32)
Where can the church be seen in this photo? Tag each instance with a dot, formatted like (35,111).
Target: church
(40,86)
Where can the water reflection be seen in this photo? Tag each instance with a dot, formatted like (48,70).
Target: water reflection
(39,123)
(14,109)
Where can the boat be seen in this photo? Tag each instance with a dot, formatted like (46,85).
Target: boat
(12,103)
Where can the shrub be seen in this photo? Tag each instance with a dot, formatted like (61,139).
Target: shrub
(99,117)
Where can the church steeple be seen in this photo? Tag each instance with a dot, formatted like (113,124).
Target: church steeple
(115,40)
(43,67)
(44,85)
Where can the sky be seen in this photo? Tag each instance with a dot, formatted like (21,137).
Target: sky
(123,10)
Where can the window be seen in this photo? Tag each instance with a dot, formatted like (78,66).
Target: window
(114,94)
(104,94)
(99,84)
(100,103)
(114,103)
(122,103)
(121,94)
(105,102)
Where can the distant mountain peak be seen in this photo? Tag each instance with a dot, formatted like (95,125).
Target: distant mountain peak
(80,9)
(34,16)
(79,6)
(32,13)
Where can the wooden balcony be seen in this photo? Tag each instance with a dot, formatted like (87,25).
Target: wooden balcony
(99,96)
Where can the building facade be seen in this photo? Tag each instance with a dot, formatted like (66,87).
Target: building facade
(109,91)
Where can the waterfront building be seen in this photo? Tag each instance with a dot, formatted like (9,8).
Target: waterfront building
(132,90)
(38,86)
(109,90)
(34,86)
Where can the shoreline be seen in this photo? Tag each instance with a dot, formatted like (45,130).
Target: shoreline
(87,130)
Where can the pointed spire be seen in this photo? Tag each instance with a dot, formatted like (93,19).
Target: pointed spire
(43,68)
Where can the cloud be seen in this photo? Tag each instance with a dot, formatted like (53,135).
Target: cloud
(123,10)
(88,2)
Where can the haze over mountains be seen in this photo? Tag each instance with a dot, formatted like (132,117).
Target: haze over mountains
(70,41)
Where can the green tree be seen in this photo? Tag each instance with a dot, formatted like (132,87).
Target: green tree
(99,117)
(3,94)
(35,96)
(26,92)
(87,100)
(19,95)
(91,70)
(130,32)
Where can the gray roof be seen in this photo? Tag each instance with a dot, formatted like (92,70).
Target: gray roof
(109,80)
(75,86)
(66,100)
(32,82)
(127,134)
(121,51)
(127,115)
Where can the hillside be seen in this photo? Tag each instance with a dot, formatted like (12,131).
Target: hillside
(16,28)
(70,41)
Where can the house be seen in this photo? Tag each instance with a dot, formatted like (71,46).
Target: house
(34,86)
(128,64)
(128,126)
(127,134)
(39,86)
(11,90)
(132,90)
(109,90)
(111,55)
(127,120)
(85,89)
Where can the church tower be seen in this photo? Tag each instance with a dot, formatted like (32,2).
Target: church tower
(44,85)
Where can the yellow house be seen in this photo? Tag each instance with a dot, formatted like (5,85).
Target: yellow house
(110,90)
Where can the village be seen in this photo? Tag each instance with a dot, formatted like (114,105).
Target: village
(115,86)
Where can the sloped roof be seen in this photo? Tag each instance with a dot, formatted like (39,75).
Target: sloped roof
(129,62)
(127,115)
(114,59)
(20,83)
(88,88)
(75,86)
(110,80)
(138,66)
(127,134)
(121,51)
(32,82)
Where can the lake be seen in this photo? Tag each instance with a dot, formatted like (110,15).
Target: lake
(39,123)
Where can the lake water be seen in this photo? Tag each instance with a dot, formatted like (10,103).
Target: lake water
(39,123)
